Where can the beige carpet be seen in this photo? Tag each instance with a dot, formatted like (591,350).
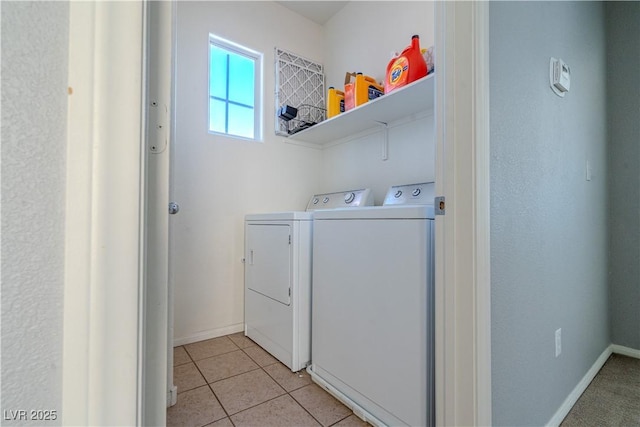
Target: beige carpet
(612,398)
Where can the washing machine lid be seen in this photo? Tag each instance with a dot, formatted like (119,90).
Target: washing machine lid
(378,212)
(280,216)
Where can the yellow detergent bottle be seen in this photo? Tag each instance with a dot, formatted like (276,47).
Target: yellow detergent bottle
(363,89)
(335,102)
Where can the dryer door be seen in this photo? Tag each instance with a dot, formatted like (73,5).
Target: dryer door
(268,260)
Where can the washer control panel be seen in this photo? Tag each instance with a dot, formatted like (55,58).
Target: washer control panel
(343,199)
(411,194)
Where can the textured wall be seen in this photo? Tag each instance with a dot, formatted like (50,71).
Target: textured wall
(34,112)
(363,34)
(548,224)
(623,87)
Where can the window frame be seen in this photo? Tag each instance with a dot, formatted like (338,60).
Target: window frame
(257,58)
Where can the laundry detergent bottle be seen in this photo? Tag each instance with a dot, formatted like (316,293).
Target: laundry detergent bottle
(335,102)
(408,67)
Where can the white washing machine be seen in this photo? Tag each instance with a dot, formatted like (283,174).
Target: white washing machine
(277,298)
(373,309)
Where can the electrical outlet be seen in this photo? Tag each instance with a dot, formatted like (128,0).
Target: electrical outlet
(558,342)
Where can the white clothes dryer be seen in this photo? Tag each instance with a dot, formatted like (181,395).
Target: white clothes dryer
(373,307)
(277,297)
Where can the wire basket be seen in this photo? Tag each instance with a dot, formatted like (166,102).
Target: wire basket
(298,119)
(300,84)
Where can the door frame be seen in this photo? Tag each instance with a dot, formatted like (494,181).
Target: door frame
(102,373)
(463,295)
(115,348)
(160,392)
(103,380)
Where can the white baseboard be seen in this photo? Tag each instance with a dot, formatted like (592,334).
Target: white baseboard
(625,351)
(212,333)
(579,389)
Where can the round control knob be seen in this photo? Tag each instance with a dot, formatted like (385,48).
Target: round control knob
(315,200)
(416,192)
(325,200)
(398,194)
(349,197)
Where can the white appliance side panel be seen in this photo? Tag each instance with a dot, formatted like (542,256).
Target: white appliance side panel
(370,324)
(268,260)
(301,294)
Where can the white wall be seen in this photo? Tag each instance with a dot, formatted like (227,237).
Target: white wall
(35,48)
(548,223)
(216,179)
(358,163)
(360,37)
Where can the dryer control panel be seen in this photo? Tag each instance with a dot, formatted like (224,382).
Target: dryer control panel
(342,199)
(411,194)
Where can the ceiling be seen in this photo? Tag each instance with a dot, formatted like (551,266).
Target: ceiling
(317,11)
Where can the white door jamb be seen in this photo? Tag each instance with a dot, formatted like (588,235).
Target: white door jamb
(463,322)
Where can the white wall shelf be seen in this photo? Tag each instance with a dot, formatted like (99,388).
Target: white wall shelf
(409,100)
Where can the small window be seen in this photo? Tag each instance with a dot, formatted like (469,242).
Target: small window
(235,89)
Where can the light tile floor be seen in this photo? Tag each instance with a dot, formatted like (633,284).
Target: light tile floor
(231,381)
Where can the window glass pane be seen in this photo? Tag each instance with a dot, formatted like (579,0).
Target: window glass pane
(233,89)
(241,79)
(217,116)
(217,72)
(241,121)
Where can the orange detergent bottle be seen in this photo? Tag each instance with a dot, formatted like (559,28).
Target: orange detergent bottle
(406,68)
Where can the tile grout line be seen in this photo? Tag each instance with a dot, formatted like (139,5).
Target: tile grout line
(215,396)
(221,405)
(268,400)
(285,391)
(255,361)
(288,392)
(258,404)
(209,357)
(236,375)
(305,409)
(206,385)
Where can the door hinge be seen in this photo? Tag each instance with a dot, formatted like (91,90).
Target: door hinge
(439,205)
(289,238)
(289,292)
(157,133)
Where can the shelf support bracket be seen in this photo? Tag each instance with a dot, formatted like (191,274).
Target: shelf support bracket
(385,140)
